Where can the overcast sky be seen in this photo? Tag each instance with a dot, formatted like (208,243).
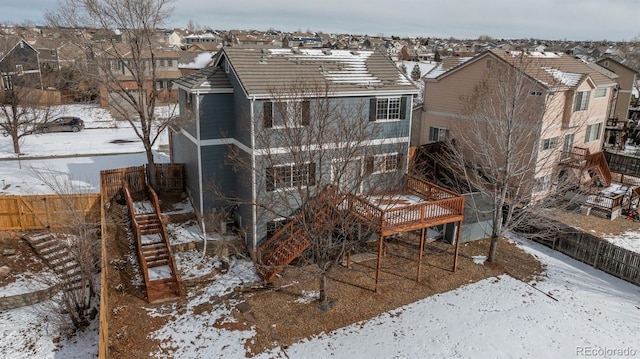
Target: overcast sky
(546,19)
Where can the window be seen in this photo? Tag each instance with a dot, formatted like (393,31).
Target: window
(160,85)
(487,64)
(19,70)
(535,93)
(600,92)
(6,82)
(581,101)
(291,176)
(389,162)
(169,63)
(549,143)
(543,183)
(437,134)
(593,132)
(162,63)
(275,225)
(115,65)
(390,108)
(286,114)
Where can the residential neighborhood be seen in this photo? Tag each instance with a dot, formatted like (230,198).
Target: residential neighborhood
(188,192)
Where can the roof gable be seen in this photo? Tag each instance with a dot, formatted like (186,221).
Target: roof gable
(346,72)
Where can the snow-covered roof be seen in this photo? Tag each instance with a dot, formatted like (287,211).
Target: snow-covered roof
(567,78)
(200,61)
(260,70)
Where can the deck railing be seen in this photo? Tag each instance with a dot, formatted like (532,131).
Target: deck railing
(428,190)
(423,213)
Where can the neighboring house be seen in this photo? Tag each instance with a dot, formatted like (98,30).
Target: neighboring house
(19,65)
(232,103)
(166,67)
(627,77)
(203,37)
(309,42)
(575,113)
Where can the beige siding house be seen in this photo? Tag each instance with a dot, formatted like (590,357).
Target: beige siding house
(626,79)
(573,100)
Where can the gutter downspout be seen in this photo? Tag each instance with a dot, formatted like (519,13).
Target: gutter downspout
(254,240)
(200,181)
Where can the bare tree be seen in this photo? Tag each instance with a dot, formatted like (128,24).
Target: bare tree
(506,144)
(24,106)
(315,151)
(77,227)
(135,98)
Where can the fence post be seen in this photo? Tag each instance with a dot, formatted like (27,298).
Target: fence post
(597,258)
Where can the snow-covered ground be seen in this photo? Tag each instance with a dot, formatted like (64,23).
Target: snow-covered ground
(576,311)
(104,144)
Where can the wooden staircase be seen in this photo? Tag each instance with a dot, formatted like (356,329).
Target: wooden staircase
(57,256)
(290,241)
(594,163)
(598,168)
(159,269)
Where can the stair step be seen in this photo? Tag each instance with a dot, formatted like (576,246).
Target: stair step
(156,257)
(155,251)
(157,263)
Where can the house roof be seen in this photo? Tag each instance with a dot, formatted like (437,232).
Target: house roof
(347,72)
(558,68)
(550,69)
(207,78)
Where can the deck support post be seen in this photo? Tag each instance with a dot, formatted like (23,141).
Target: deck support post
(422,235)
(379,264)
(455,255)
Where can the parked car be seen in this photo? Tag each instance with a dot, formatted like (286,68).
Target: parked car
(61,124)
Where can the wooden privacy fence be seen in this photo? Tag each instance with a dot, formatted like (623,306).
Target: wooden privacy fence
(21,213)
(597,252)
(623,164)
(169,176)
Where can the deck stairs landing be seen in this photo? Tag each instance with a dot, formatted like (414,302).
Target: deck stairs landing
(162,280)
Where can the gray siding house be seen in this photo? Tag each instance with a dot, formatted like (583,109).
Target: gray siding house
(241,114)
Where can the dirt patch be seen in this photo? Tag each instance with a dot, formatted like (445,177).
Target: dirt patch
(284,314)
(594,225)
(19,257)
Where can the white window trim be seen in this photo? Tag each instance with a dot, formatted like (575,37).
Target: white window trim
(291,123)
(575,103)
(546,182)
(387,119)
(286,189)
(552,143)
(588,135)
(439,129)
(595,93)
(383,168)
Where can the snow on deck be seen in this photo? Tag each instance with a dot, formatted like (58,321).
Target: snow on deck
(387,202)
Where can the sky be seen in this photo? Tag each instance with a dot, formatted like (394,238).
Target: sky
(616,20)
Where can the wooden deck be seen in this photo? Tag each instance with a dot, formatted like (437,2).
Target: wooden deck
(420,205)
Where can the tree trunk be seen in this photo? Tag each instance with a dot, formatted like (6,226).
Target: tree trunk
(16,143)
(323,288)
(493,248)
(151,170)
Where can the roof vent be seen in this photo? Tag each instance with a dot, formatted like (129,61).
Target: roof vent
(354,52)
(296,51)
(263,59)
(321,68)
(326,52)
